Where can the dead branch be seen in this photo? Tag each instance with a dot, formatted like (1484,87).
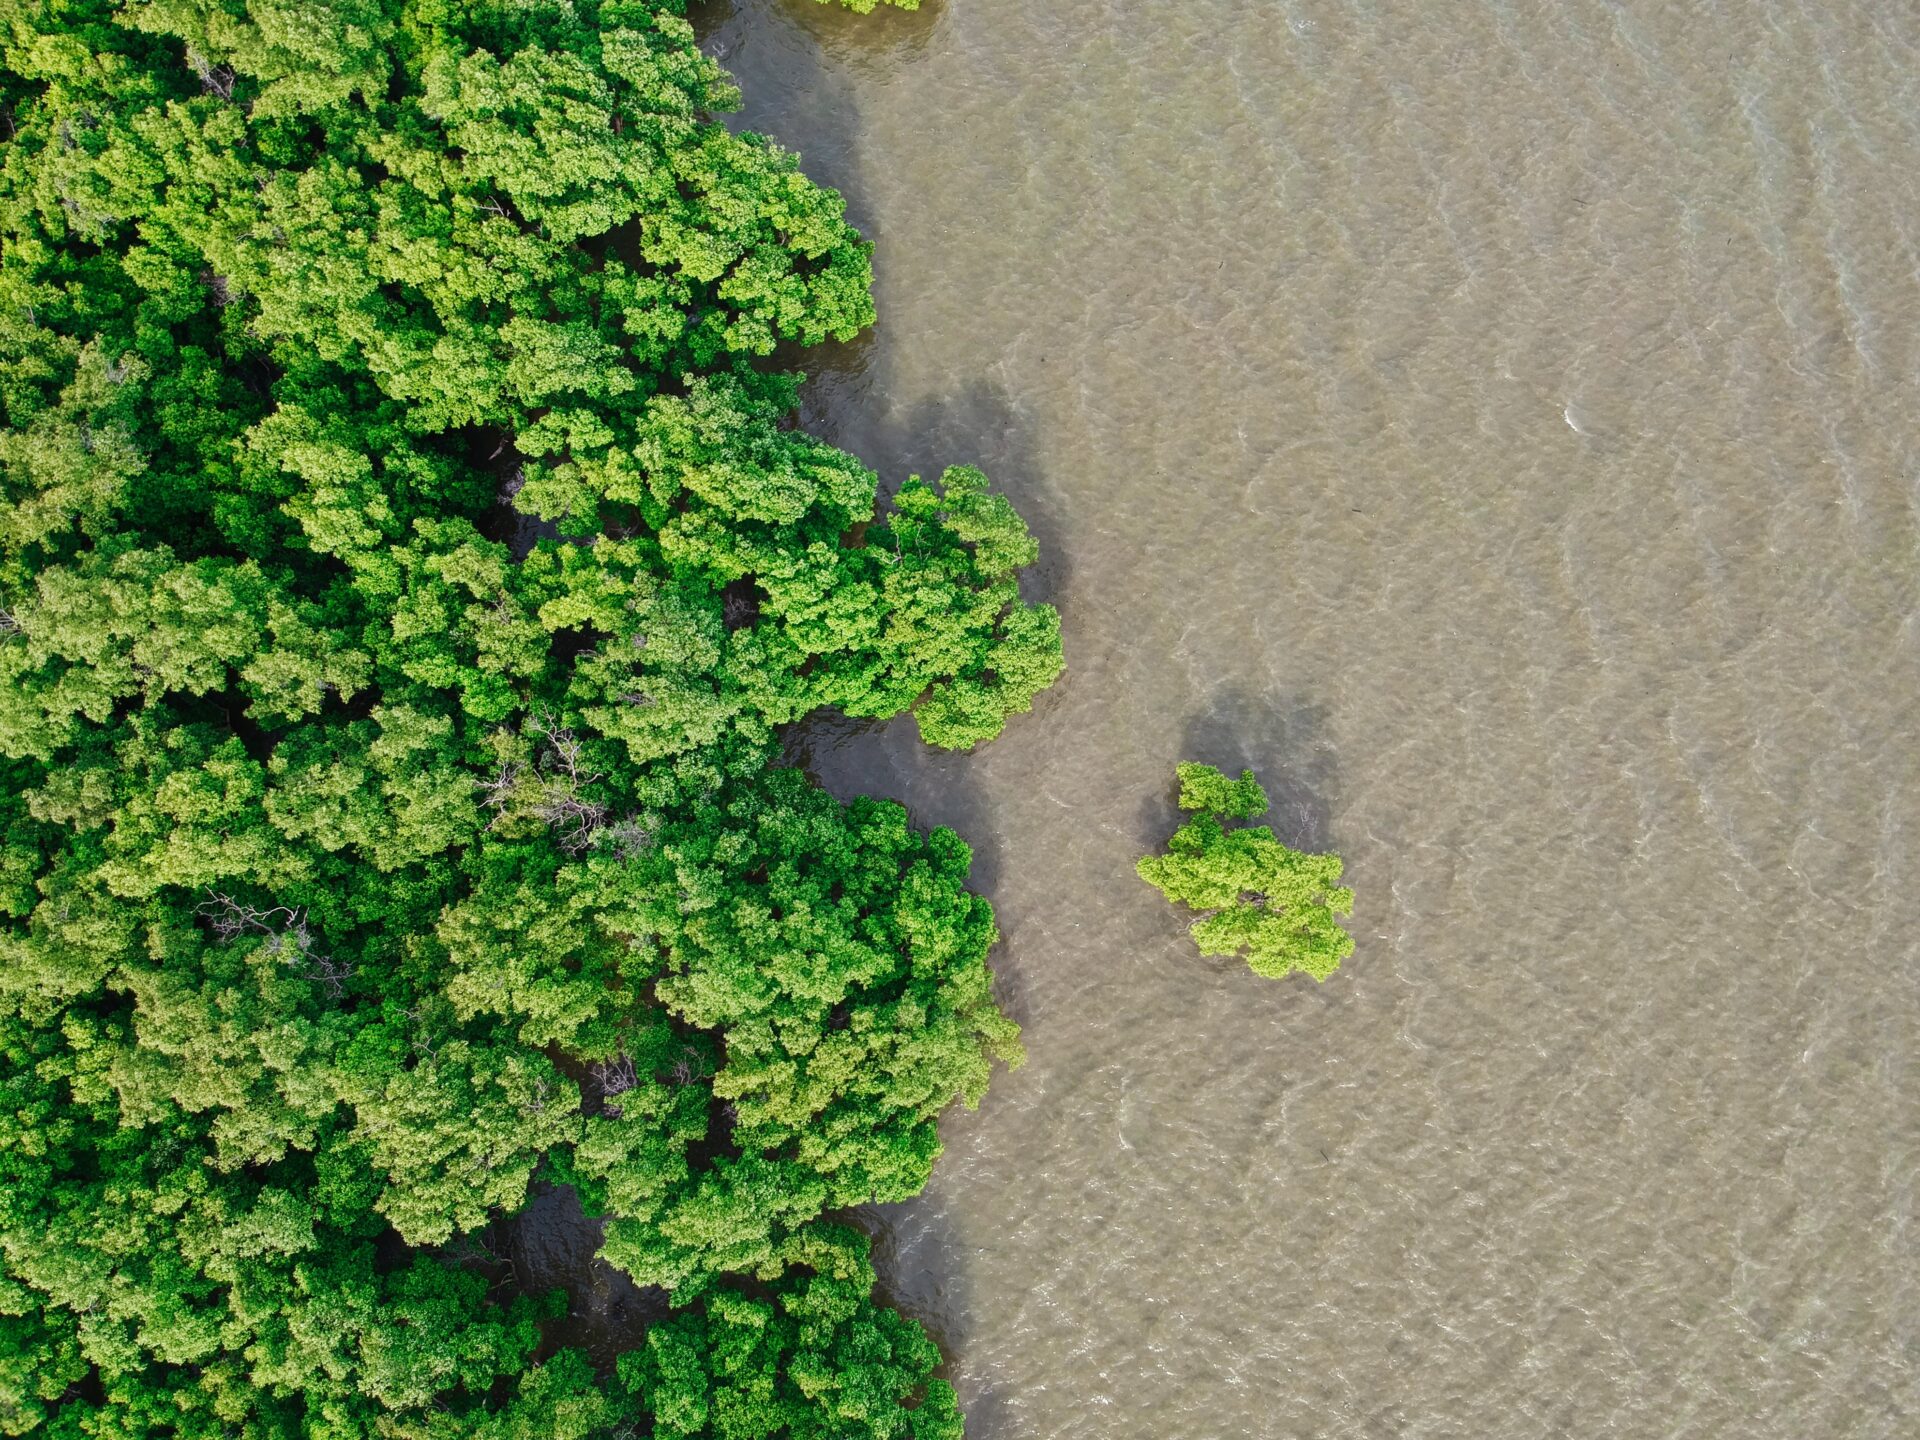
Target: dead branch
(287,937)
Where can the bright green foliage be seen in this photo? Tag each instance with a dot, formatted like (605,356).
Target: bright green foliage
(1256,896)
(362,867)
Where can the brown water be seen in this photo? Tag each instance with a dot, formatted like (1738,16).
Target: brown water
(1495,423)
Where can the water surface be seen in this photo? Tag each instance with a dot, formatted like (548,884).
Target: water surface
(1494,422)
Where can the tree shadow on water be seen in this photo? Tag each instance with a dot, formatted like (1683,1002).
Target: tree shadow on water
(980,424)
(552,1244)
(795,61)
(800,66)
(977,425)
(1283,740)
(919,1252)
(886,36)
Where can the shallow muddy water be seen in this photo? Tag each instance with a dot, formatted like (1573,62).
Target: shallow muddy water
(1495,423)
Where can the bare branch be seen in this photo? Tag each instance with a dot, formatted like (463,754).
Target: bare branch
(538,1104)
(687,1069)
(563,775)
(214,79)
(614,1077)
(499,789)
(563,747)
(579,819)
(288,938)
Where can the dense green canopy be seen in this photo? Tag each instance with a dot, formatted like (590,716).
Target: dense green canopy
(406,558)
(1278,905)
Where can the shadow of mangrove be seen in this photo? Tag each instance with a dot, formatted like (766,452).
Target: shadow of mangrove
(796,62)
(977,425)
(1283,740)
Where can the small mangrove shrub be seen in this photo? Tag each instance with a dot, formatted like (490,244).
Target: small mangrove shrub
(1255,896)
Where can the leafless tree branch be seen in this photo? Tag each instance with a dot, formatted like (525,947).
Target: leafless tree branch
(214,79)
(614,1077)
(288,938)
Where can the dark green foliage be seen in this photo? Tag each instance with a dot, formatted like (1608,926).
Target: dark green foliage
(809,1357)
(1256,896)
(836,955)
(359,869)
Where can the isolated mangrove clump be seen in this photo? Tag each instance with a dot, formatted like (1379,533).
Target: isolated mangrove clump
(1276,905)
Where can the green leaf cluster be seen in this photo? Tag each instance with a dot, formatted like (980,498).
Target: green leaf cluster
(810,1359)
(867,7)
(1277,906)
(407,559)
